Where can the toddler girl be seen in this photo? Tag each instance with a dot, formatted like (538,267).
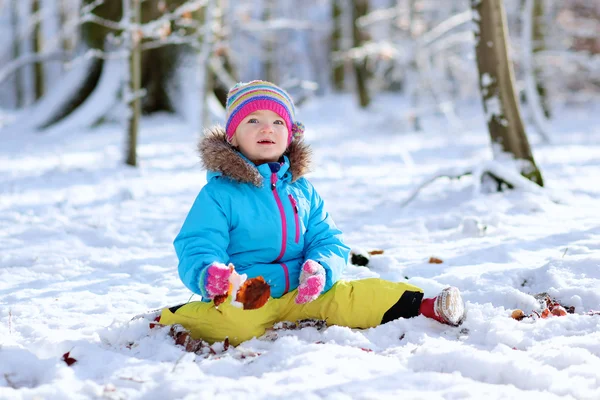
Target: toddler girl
(259,213)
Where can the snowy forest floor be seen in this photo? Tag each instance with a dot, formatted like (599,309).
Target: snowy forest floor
(85,244)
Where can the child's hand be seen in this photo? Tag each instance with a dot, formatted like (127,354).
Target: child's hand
(217,279)
(312,282)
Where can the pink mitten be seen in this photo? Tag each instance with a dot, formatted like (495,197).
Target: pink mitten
(217,279)
(312,282)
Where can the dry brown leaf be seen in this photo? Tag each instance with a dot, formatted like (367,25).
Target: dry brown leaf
(68,359)
(518,314)
(375,252)
(254,293)
(435,260)
(559,311)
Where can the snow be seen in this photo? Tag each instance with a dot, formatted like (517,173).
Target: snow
(85,245)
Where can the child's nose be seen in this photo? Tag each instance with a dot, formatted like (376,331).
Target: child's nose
(266,127)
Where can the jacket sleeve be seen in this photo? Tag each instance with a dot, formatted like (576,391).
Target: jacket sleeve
(203,239)
(323,241)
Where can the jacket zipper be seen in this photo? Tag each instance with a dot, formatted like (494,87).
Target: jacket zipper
(283,229)
(296,221)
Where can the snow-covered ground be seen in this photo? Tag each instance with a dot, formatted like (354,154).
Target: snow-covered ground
(85,244)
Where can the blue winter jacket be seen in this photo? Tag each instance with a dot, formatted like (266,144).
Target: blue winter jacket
(266,220)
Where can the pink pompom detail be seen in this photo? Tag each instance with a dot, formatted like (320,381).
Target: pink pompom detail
(297,129)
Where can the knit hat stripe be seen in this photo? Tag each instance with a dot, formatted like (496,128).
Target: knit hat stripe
(263,94)
(265,102)
(234,93)
(258,96)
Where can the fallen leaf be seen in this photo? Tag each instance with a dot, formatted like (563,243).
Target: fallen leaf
(68,359)
(375,252)
(435,260)
(254,293)
(559,311)
(220,299)
(518,314)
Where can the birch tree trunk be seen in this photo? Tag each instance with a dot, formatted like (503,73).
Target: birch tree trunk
(412,74)
(336,38)
(496,81)
(16,50)
(209,16)
(534,87)
(38,49)
(360,8)
(539,46)
(132,17)
(270,40)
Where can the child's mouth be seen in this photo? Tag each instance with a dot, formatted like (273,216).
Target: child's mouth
(266,142)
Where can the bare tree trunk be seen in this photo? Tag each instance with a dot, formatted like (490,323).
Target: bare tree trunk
(531,73)
(496,81)
(336,37)
(37,48)
(269,68)
(539,46)
(412,73)
(220,88)
(132,16)
(360,8)
(16,50)
(210,15)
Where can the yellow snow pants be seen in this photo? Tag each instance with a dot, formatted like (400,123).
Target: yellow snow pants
(362,303)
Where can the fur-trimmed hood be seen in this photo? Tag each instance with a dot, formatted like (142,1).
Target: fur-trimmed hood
(217,155)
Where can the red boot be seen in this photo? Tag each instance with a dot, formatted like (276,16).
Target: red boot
(448,307)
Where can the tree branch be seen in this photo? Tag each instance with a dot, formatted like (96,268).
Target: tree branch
(117,26)
(30,58)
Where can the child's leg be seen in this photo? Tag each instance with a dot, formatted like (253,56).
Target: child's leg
(207,322)
(447,307)
(363,303)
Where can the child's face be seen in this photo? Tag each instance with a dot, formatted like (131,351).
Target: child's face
(262,137)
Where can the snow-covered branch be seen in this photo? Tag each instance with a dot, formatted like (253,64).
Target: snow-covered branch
(216,64)
(26,59)
(503,175)
(377,16)
(440,30)
(284,23)
(93,18)
(171,40)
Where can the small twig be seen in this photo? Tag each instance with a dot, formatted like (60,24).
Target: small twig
(171,40)
(9,382)
(177,362)
(565,252)
(223,76)
(132,379)
(416,191)
(117,26)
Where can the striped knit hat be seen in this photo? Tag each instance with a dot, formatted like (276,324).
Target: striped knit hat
(245,98)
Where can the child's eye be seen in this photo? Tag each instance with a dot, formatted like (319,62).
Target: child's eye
(279,122)
(252,121)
